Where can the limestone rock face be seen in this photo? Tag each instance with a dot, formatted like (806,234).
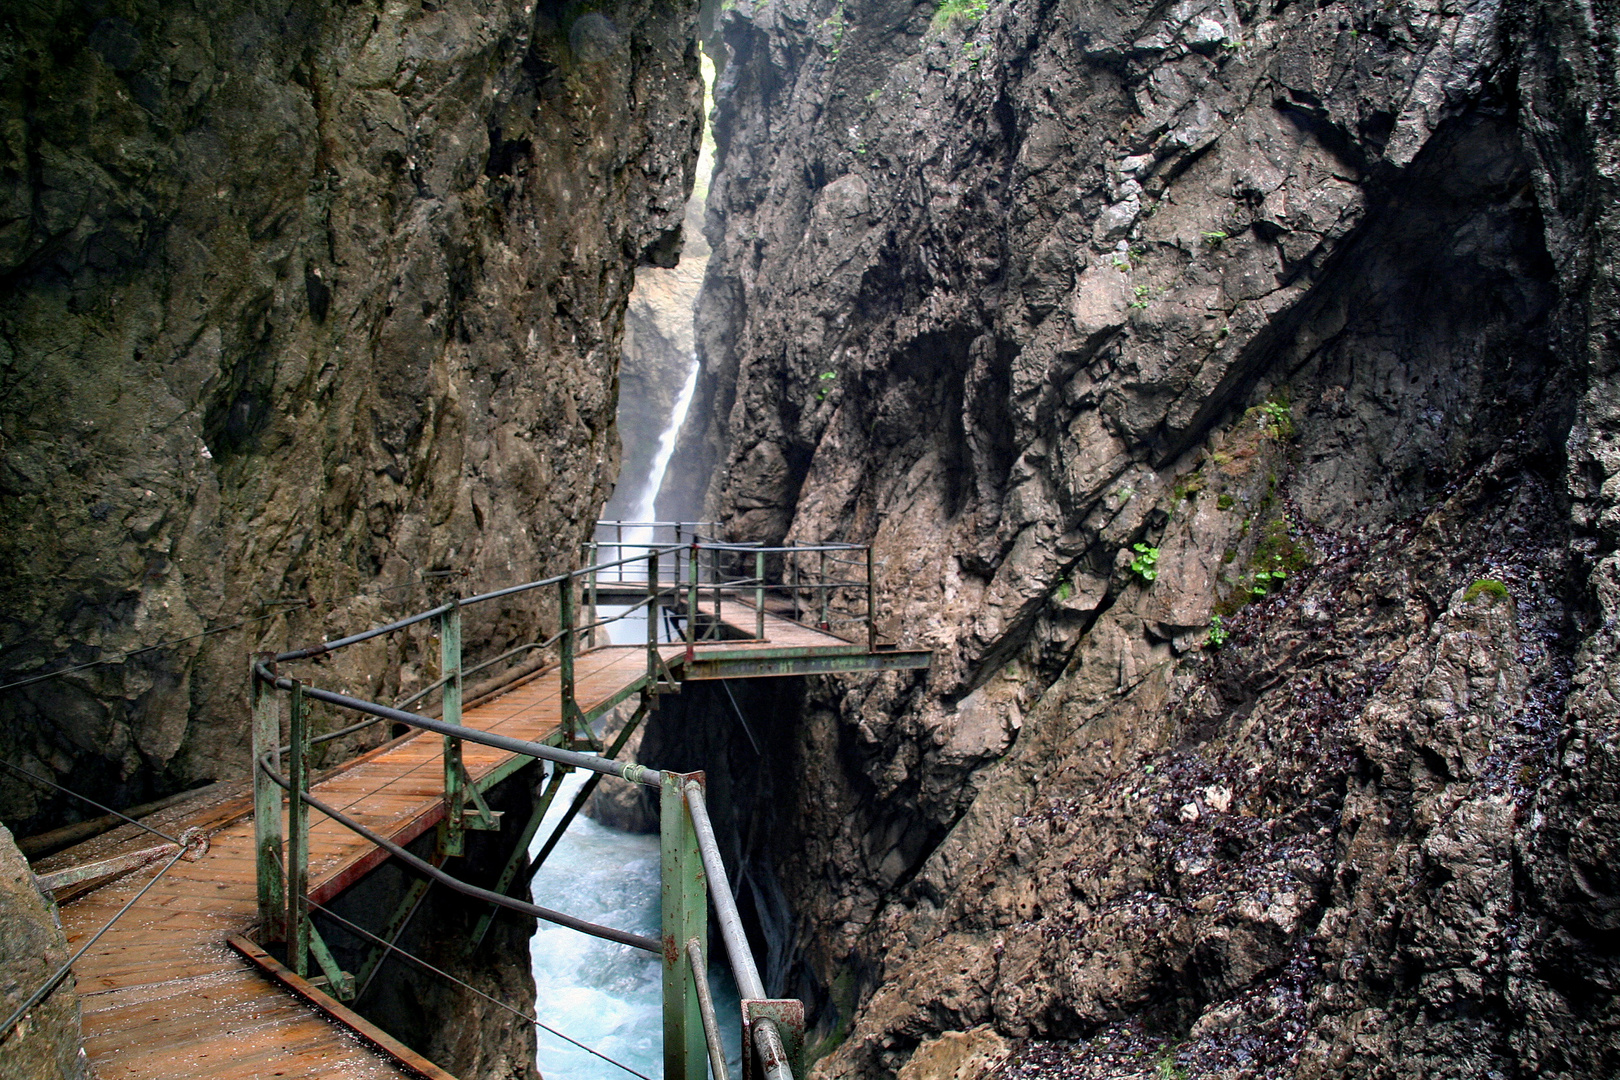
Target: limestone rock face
(1312,303)
(303,305)
(46,1044)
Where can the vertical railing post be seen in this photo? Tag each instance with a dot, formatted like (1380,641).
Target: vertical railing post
(452,832)
(618,547)
(793,578)
(267,835)
(871,603)
(685,916)
(565,616)
(590,610)
(692,603)
(821,575)
(717,575)
(759,594)
(298,834)
(652,619)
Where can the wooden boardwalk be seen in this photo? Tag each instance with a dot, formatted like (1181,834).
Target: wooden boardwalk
(163,994)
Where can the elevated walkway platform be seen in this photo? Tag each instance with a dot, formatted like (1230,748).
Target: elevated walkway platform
(174,990)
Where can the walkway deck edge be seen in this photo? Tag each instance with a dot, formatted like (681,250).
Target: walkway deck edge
(336,1011)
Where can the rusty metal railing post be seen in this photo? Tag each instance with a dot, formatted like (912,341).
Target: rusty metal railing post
(759,594)
(692,603)
(821,580)
(871,602)
(452,832)
(793,578)
(590,611)
(685,916)
(717,576)
(297,930)
(565,618)
(652,619)
(267,835)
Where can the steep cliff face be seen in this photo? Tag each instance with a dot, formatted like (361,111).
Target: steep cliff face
(303,302)
(1309,304)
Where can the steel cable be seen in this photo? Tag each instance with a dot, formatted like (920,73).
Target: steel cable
(92,802)
(56,979)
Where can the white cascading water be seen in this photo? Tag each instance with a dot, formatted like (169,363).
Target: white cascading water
(645,508)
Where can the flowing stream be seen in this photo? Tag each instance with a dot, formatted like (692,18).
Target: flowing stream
(608,996)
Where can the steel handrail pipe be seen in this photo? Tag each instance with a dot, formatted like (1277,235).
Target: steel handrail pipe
(629,771)
(411,620)
(743,969)
(609,523)
(427,869)
(717,545)
(711,1023)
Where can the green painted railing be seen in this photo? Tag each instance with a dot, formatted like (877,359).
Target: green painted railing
(796,577)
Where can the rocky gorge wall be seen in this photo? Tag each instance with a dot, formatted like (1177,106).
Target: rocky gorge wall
(1311,303)
(303,305)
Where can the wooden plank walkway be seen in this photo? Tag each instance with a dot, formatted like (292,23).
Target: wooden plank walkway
(165,997)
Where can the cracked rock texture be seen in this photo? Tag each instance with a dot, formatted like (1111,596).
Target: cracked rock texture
(303,302)
(1316,301)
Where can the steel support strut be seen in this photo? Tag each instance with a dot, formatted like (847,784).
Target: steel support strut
(685,917)
(452,830)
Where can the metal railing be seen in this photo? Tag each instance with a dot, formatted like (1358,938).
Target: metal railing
(794,581)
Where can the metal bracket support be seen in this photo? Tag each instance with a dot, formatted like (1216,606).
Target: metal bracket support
(788,1015)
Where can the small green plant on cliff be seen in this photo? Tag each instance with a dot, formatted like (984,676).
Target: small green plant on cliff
(1266,582)
(1146,563)
(1215,239)
(1063,591)
(826,380)
(950,10)
(1274,418)
(1142,294)
(1217,633)
(1487,587)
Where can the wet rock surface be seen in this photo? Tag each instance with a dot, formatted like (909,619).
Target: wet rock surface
(1307,303)
(46,1044)
(303,306)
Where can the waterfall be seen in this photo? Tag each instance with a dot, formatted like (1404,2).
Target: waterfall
(645,509)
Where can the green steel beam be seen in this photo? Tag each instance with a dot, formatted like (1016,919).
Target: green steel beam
(340,982)
(808,663)
(297,913)
(267,834)
(452,828)
(685,916)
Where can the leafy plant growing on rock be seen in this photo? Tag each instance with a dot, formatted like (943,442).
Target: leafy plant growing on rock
(1218,633)
(1146,563)
(959,9)
(1274,418)
(1215,238)
(1267,582)
(825,379)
